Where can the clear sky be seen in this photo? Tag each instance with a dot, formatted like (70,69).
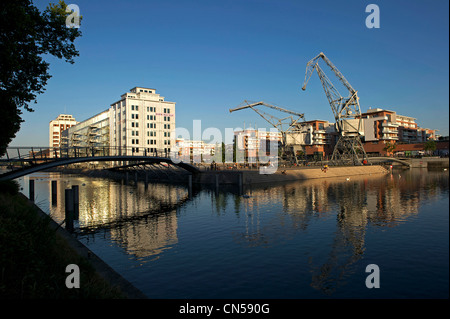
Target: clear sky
(209,55)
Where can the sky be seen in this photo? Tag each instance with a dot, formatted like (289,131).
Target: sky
(209,56)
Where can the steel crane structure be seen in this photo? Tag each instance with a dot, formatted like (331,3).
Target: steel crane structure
(347,113)
(283,125)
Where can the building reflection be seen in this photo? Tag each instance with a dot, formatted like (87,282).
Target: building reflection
(354,203)
(332,215)
(142,220)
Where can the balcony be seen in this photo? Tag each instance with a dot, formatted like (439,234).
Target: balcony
(389,130)
(389,124)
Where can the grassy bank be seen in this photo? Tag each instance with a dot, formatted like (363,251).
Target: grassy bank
(33,256)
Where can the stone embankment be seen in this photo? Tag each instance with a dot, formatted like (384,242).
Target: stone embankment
(283,175)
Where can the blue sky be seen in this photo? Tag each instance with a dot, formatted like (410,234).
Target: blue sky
(209,56)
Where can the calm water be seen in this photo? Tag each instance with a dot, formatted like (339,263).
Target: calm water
(310,239)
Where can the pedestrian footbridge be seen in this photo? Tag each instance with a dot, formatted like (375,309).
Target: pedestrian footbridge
(388,159)
(21,161)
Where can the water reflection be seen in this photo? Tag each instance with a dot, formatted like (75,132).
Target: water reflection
(325,221)
(383,201)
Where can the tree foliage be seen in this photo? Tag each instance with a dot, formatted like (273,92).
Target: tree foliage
(390,147)
(430,146)
(27,37)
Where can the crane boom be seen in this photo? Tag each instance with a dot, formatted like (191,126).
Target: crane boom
(346,111)
(251,105)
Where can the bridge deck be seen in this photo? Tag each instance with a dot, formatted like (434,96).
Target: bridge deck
(68,160)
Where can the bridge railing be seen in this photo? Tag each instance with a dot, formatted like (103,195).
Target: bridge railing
(21,156)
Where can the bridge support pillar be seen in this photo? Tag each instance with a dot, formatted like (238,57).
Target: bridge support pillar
(190,186)
(76,201)
(54,192)
(68,198)
(31,189)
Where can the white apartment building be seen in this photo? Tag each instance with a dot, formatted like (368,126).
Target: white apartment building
(57,126)
(140,123)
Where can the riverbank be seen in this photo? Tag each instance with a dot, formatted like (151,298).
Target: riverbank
(35,254)
(237,177)
(249,177)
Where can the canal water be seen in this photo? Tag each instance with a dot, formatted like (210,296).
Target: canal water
(306,239)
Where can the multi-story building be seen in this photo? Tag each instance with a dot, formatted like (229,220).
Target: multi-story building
(380,125)
(252,144)
(314,137)
(385,125)
(142,121)
(90,136)
(194,151)
(57,126)
(139,123)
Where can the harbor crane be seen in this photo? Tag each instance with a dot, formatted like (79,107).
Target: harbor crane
(283,125)
(347,114)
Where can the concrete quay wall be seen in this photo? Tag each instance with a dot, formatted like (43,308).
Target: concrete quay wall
(428,162)
(283,175)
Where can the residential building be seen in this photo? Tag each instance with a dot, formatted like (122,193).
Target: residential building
(57,126)
(194,151)
(382,127)
(142,121)
(90,137)
(314,138)
(252,144)
(139,123)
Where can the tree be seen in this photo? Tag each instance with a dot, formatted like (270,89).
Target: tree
(390,147)
(430,146)
(27,36)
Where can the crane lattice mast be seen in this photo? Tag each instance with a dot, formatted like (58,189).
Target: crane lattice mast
(346,111)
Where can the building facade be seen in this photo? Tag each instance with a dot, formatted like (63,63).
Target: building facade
(253,144)
(384,127)
(140,123)
(312,138)
(57,126)
(195,151)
